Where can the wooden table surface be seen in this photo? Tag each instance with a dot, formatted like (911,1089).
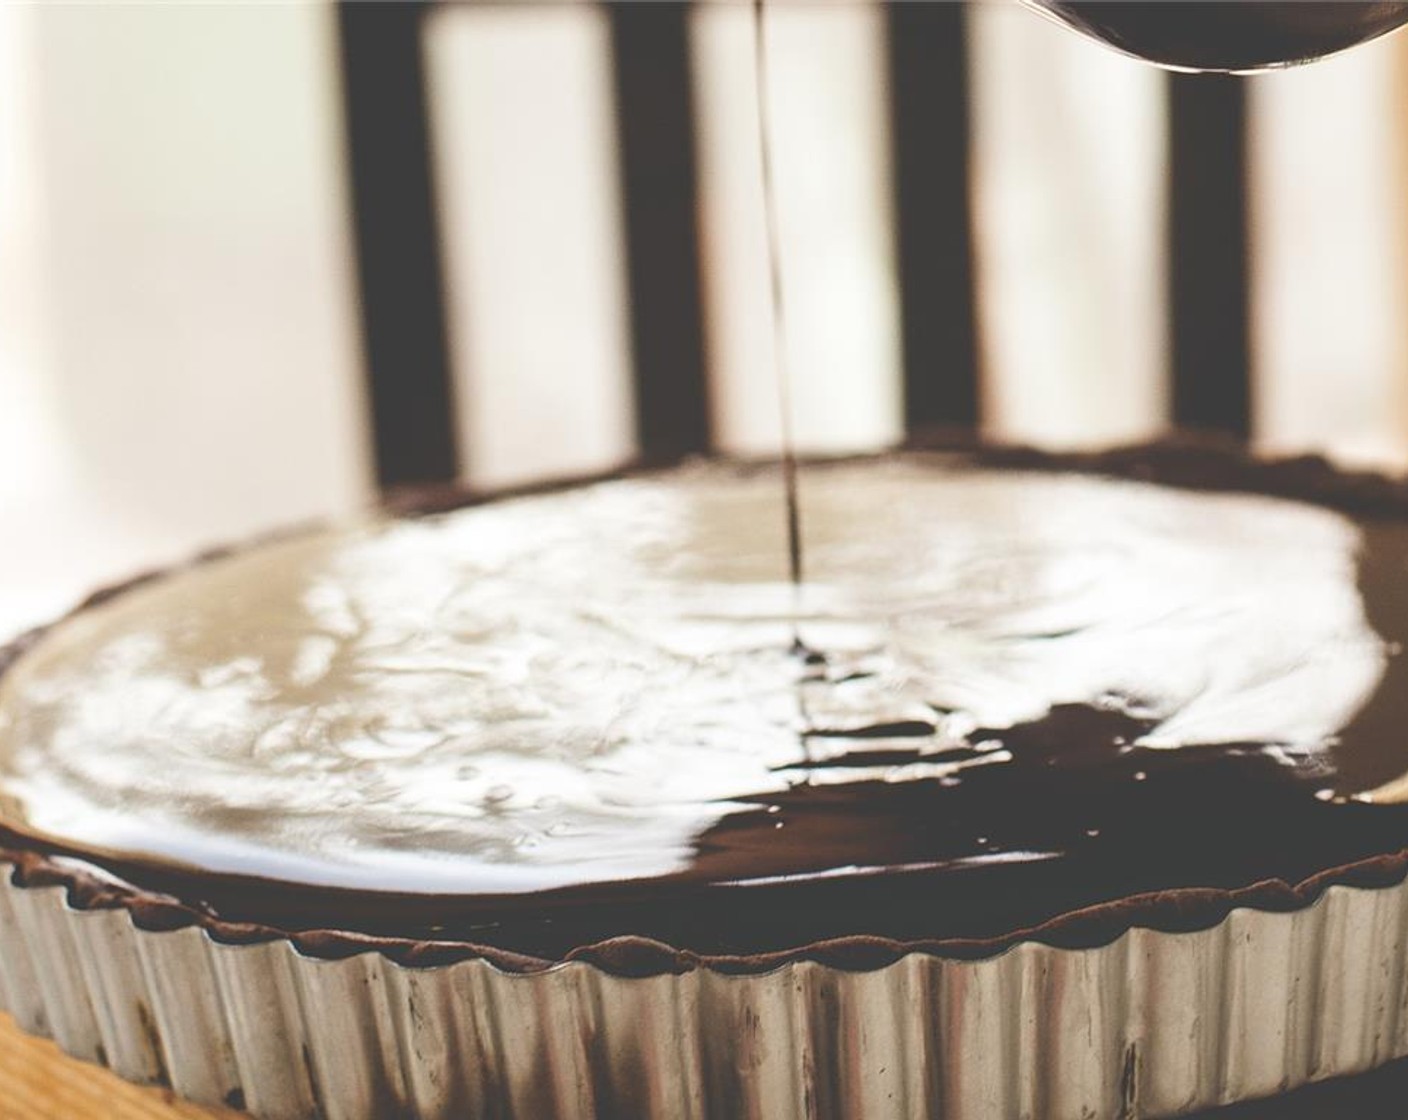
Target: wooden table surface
(39,1083)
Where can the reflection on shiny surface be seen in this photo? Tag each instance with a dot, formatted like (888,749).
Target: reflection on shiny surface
(575,687)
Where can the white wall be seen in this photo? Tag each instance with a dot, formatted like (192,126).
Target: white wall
(1069,173)
(1330,244)
(827,88)
(180,363)
(529,197)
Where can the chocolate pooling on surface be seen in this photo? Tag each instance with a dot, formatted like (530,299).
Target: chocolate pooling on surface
(546,722)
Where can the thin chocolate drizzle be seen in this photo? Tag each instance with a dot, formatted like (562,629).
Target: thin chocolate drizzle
(782,371)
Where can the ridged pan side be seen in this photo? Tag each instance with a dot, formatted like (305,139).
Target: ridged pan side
(1153,1024)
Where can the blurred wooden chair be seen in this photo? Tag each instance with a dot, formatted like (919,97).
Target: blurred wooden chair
(402,273)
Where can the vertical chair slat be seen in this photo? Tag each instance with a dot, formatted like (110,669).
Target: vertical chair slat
(650,49)
(397,241)
(928,58)
(1208,282)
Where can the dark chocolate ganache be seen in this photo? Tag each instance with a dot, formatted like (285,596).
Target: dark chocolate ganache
(550,720)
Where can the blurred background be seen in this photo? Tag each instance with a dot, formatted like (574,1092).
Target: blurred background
(258,261)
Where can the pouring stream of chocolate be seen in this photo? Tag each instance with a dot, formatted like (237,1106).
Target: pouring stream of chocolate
(813,661)
(782,373)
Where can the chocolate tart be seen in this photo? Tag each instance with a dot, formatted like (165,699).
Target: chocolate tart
(1063,785)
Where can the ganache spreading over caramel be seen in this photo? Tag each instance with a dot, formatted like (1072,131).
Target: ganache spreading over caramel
(554,719)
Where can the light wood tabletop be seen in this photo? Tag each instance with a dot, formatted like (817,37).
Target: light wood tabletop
(37,1082)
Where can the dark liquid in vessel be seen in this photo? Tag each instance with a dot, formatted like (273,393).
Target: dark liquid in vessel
(1228,35)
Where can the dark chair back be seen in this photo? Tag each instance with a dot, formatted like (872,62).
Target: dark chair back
(401,274)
